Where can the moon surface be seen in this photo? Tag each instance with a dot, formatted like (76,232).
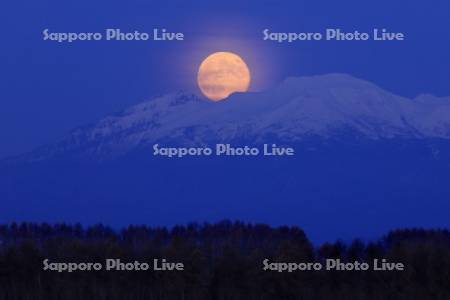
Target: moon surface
(221,74)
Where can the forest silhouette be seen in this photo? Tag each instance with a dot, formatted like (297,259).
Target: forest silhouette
(222,261)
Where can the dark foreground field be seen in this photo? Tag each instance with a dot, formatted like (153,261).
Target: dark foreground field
(221,261)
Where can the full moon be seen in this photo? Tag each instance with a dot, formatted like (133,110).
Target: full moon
(221,74)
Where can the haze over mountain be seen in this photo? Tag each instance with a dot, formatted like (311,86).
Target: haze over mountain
(362,155)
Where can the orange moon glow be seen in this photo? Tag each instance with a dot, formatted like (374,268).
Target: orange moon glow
(221,74)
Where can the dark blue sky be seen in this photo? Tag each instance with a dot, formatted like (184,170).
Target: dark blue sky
(48,88)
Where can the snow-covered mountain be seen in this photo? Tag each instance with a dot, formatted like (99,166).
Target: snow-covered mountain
(362,155)
(297,108)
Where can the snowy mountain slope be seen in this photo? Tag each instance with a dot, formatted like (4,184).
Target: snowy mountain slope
(296,108)
(361,155)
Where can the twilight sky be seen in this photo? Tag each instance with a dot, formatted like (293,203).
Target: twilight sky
(48,88)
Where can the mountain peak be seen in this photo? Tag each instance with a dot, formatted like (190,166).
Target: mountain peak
(296,108)
(167,100)
(332,80)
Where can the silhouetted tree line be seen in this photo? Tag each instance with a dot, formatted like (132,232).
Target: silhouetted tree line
(222,261)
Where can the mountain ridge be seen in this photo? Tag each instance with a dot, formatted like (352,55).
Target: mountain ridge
(295,109)
(361,155)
